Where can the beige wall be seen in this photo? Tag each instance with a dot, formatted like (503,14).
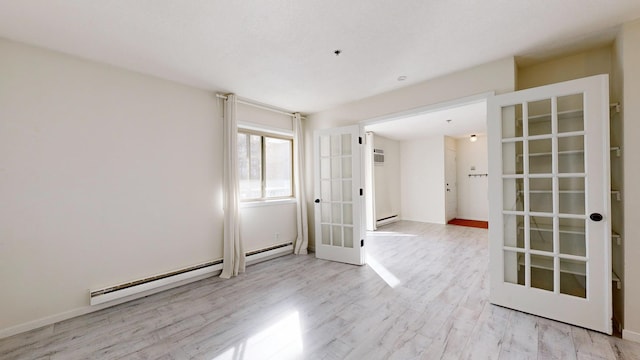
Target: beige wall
(473,196)
(498,76)
(107,176)
(422,180)
(575,66)
(630,59)
(387,178)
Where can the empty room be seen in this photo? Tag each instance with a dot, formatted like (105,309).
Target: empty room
(257,180)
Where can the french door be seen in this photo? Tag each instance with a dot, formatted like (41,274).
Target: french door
(549,182)
(338,195)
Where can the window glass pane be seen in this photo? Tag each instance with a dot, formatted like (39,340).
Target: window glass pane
(513,194)
(346,167)
(570,113)
(572,237)
(573,278)
(325,212)
(540,156)
(512,121)
(336,193)
(571,154)
(540,194)
(541,233)
(336,235)
(539,117)
(347,214)
(512,158)
(326,234)
(346,190)
(514,231)
(512,269)
(346,144)
(542,272)
(348,237)
(336,214)
(249,166)
(336,142)
(278,167)
(325,190)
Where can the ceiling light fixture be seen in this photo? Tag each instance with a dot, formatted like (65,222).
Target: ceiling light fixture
(473,138)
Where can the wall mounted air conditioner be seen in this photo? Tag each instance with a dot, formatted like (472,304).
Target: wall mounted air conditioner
(378,156)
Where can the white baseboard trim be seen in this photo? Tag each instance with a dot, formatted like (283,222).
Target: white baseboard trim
(270,254)
(108,302)
(631,335)
(388,220)
(49,320)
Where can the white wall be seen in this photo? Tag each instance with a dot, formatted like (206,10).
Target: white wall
(263,226)
(473,196)
(498,76)
(106,176)
(387,178)
(630,58)
(422,180)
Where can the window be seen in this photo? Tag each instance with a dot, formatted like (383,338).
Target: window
(265,166)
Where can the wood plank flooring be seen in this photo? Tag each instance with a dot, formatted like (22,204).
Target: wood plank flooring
(424,296)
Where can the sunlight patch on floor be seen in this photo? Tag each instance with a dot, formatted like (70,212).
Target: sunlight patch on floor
(388,233)
(382,271)
(282,340)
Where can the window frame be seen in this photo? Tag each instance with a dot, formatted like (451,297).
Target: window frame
(263,184)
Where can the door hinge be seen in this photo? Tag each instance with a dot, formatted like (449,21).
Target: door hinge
(361,242)
(360,140)
(361,192)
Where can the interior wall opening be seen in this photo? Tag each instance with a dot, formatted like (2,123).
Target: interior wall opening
(427,165)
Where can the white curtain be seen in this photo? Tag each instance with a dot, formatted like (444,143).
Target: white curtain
(233,258)
(302,240)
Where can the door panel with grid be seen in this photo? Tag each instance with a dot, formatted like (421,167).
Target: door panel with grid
(549,164)
(337,198)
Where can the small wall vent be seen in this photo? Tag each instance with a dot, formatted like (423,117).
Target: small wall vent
(378,156)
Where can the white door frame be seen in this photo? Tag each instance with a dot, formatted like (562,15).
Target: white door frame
(451,104)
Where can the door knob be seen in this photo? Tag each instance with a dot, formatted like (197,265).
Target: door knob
(596,217)
(317,201)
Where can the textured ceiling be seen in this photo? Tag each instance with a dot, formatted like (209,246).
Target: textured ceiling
(280,52)
(458,121)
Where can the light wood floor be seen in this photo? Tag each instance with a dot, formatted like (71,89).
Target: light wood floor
(300,307)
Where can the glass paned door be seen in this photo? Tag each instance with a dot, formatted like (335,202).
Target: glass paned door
(549,233)
(337,195)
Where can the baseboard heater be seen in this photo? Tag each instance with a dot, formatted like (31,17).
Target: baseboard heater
(387,220)
(131,288)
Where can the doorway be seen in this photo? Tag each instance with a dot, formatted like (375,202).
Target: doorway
(415,171)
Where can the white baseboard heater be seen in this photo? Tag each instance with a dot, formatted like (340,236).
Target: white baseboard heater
(181,276)
(387,220)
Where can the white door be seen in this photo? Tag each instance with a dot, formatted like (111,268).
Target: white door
(338,195)
(549,191)
(451,189)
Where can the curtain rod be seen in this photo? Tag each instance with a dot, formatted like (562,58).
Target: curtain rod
(259,106)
